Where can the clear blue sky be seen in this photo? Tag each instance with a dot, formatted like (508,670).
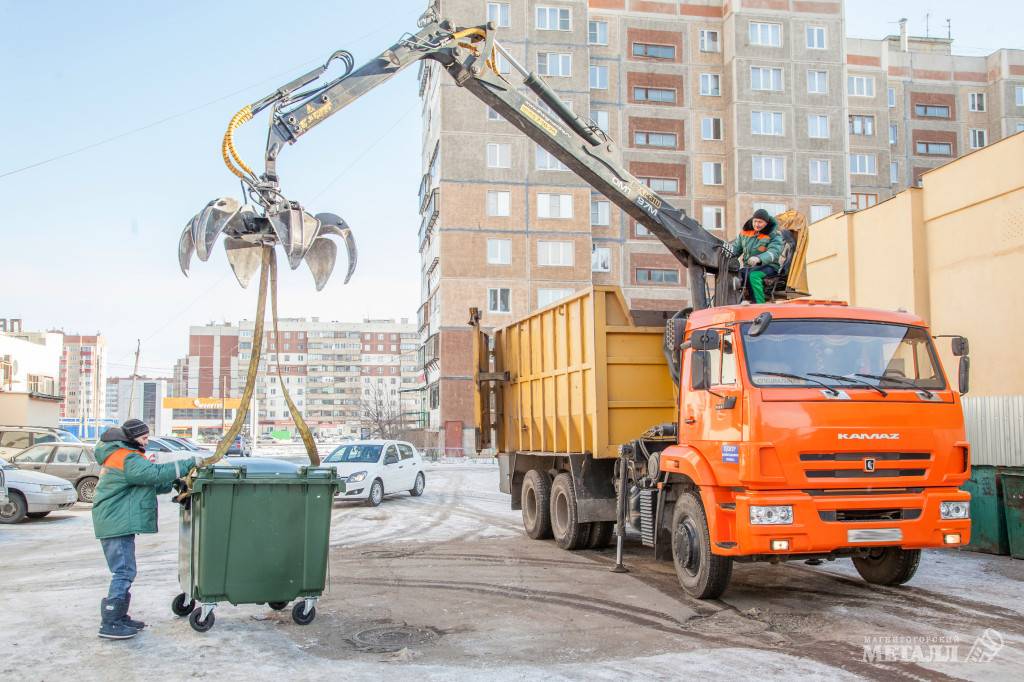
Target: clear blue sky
(90,241)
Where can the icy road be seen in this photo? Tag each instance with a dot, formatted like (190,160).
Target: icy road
(446,586)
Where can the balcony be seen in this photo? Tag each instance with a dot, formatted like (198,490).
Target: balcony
(430,351)
(423,317)
(429,218)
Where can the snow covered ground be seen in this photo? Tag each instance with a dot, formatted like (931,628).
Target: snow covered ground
(452,576)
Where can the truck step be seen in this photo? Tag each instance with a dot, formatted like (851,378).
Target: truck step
(648,503)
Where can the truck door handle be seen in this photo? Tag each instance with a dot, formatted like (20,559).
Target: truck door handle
(690,420)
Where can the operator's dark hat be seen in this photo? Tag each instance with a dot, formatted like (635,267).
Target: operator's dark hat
(135,428)
(763,215)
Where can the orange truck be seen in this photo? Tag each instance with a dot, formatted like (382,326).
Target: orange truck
(801,430)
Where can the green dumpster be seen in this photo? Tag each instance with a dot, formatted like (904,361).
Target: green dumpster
(255,532)
(988,525)
(1013,506)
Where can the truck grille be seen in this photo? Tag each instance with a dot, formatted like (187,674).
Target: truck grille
(859,459)
(856,515)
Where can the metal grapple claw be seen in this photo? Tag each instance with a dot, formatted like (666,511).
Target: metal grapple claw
(332,224)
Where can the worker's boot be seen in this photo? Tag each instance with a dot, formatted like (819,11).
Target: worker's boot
(111,613)
(128,620)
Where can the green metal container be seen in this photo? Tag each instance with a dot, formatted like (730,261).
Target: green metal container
(988,524)
(257,532)
(1013,506)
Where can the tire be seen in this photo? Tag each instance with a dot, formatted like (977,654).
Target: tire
(38,515)
(180,607)
(86,489)
(417,488)
(198,625)
(536,503)
(888,566)
(702,574)
(376,493)
(15,510)
(278,605)
(568,531)
(601,534)
(299,617)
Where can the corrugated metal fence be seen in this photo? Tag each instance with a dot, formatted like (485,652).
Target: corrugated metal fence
(995,429)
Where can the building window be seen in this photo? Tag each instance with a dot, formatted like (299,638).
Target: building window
(894,172)
(498,300)
(862,125)
(598,77)
(499,155)
(600,212)
(710,85)
(645,139)
(816,37)
(554,19)
(601,259)
(820,212)
(546,161)
(765,78)
(768,167)
(860,200)
(931,111)
(642,231)
(1019,95)
(493,115)
(657,276)
(891,95)
(666,185)
(555,254)
(711,172)
(554,63)
(659,95)
(713,217)
(934,148)
(654,51)
(503,64)
(709,41)
(766,35)
(772,208)
(546,297)
(554,205)
(711,128)
(766,123)
(600,119)
(820,171)
(860,86)
(597,32)
(1020,127)
(976,101)
(893,133)
(498,203)
(817,126)
(498,12)
(979,138)
(817,82)
(863,164)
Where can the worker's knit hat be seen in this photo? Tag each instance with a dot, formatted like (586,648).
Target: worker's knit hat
(763,215)
(135,428)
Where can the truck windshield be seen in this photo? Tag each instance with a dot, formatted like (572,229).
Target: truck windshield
(799,352)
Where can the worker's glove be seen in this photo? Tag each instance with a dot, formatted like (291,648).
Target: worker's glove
(753,260)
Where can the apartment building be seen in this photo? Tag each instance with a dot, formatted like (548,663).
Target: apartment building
(337,373)
(140,398)
(720,107)
(83,377)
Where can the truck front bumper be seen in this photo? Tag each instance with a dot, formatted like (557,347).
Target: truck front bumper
(841,522)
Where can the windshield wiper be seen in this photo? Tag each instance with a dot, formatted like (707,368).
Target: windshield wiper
(898,380)
(800,377)
(840,377)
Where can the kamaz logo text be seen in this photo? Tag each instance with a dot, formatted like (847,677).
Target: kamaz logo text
(869,436)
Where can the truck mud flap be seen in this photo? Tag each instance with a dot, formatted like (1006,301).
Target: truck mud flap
(505,473)
(595,489)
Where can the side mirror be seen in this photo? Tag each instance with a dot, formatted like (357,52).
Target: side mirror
(760,324)
(705,340)
(965,373)
(700,370)
(960,346)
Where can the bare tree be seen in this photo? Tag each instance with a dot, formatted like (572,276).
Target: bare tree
(382,412)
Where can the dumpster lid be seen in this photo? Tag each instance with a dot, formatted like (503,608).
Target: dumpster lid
(258,465)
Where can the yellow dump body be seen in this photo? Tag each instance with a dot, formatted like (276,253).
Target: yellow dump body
(582,378)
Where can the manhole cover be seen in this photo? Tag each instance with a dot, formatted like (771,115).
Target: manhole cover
(388,638)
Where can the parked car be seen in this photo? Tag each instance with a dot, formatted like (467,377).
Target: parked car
(372,469)
(33,494)
(185,443)
(3,489)
(240,447)
(14,439)
(160,452)
(74,463)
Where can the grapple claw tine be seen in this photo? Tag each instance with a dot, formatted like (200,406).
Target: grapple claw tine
(186,247)
(244,258)
(210,223)
(320,258)
(333,224)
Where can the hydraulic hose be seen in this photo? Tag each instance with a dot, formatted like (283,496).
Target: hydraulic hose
(227,149)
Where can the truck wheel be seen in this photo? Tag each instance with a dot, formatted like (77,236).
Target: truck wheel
(888,566)
(600,534)
(536,499)
(568,532)
(15,509)
(701,573)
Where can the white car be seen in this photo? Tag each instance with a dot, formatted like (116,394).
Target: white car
(372,469)
(33,494)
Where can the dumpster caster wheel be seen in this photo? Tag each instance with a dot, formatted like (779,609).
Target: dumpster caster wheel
(200,625)
(300,617)
(182,608)
(277,605)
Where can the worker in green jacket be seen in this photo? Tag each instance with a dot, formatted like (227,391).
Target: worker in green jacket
(759,248)
(125,505)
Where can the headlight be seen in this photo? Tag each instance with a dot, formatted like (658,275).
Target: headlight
(954,510)
(771,516)
(357,476)
(52,488)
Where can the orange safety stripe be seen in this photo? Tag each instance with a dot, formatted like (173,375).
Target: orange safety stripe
(117,458)
(748,233)
(763,236)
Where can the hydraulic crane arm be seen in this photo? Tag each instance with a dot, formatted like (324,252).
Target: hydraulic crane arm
(469,55)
